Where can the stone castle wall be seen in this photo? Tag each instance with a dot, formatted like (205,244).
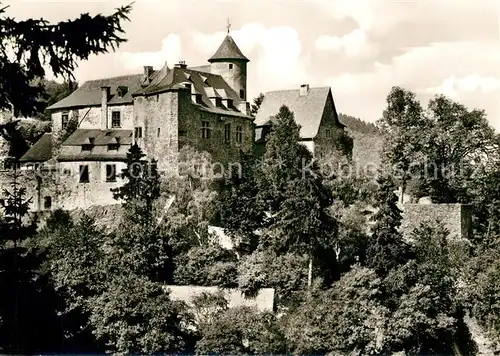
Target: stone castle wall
(157,114)
(456,218)
(37,186)
(222,151)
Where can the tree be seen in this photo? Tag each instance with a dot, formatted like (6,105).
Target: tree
(241,212)
(457,142)
(439,150)
(292,190)
(282,162)
(242,330)
(386,248)
(36,43)
(206,265)
(71,255)
(403,126)
(136,315)
(421,296)
(346,318)
(27,311)
(481,280)
(142,186)
(286,273)
(257,102)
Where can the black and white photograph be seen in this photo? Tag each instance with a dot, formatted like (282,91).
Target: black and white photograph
(250,177)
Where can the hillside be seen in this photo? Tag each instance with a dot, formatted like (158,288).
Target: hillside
(368,140)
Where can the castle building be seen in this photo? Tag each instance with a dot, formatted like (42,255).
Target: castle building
(162,111)
(314,110)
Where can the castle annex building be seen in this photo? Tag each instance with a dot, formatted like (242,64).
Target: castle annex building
(162,110)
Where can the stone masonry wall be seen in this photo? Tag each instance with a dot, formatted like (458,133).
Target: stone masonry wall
(190,124)
(455,217)
(37,185)
(97,192)
(157,115)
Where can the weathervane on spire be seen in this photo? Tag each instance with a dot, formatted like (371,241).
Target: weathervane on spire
(228,26)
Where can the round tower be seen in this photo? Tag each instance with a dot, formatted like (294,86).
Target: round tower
(231,64)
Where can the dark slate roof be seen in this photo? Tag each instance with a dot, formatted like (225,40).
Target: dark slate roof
(89,94)
(307,109)
(41,151)
(228,50)
(207,84)
(71,148)
(101,137)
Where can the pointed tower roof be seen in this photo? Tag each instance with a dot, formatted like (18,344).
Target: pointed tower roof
(228,50)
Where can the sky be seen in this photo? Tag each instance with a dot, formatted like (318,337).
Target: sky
(360,48)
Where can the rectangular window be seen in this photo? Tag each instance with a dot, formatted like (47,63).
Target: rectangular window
(113,146)
(111,173)
(242,94)
(227,133)
(206,131)
(239,134)
(138,132)
(47,202)
(84,174)
(158,133)
(64,120)
(230,66)
(87,147)
(115,119)
(327,133)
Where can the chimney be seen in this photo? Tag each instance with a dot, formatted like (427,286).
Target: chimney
(146,77)
(181,64)
(105,92)
(304,89)
(244,107)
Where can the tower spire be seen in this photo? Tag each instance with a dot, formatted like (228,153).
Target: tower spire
(228,26)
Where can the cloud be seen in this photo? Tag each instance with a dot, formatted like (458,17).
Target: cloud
(352,44)
(170,51)
(453,86)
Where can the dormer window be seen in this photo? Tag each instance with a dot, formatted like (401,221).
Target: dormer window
(218,102)
(121,91)
(199,99)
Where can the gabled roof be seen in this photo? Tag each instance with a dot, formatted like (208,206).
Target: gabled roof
(89,94)
(228,50)
(307,109)
(41,151)
(71,149)
(208,85)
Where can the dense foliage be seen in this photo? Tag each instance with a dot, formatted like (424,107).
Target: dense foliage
(346,280)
